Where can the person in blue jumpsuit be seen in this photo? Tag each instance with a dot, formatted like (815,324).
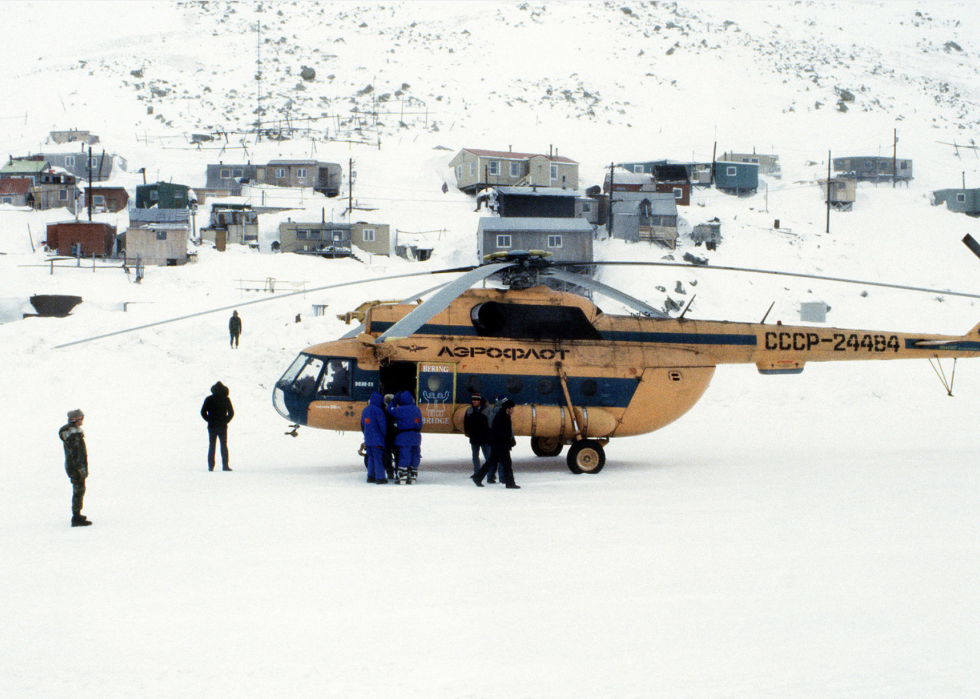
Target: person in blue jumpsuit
(374,425)
(408,441)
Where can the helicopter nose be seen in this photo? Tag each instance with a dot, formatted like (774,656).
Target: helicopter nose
(289,403)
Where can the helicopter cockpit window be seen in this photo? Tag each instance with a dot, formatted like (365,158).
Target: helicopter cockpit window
(302,375)
(492,319)
(335,382)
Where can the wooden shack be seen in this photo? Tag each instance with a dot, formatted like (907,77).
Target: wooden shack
(88,238)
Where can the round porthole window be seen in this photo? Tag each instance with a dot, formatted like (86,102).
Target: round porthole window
(546,386)
(589,387)
(514,385)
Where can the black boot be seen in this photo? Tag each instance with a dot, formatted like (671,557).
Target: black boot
(79,521)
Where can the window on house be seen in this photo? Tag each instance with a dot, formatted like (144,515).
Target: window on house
(731,170)
(154,195)
(554,172)
(98,200)
(503,241)
(161,235)
(315,234)
(473,168)
(178,196)
(961,198)
(8,200)
(338,236)
(368,235)
(69,161)
(554,241)
(678,193)
(459,173)
(301,234)
(301,173)
(637,169)
(63,194)
(493,167)
(238,172)
(515,169)
(224,173)
(753,160)
(280,172)
(586,207)
(904,166)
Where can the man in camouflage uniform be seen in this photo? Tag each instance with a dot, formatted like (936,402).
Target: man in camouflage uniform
(76,464)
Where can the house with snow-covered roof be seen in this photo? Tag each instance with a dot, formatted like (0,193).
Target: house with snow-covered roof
(16,191)
(478,169)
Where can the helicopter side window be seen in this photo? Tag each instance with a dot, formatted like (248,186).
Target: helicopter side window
(534,322)
(336,380)
(514,385)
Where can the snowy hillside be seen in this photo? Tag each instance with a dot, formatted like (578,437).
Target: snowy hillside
(791,536)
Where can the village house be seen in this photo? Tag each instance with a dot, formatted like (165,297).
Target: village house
(325,178)
(104,199)
(963,201)
(372,238)
(162,195)
(74,136)
(843,192)
(875,168)
(16,191)
(162,244)
(77,163)
(478,169)
(567,239)
(644,216)
(708,233)
(231,224)
(736,178)
(666,177)
(324,238)
(87,238)
(768,164)
(56,189)
(30,168)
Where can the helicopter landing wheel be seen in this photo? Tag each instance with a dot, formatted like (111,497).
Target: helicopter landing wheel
(546,446)
(586,456)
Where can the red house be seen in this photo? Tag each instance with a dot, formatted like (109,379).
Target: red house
(86,237)
(106,199)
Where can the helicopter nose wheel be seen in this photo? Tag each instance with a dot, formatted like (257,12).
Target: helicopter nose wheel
(546,446)
(586,456)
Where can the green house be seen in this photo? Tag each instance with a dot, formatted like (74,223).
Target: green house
(162,195)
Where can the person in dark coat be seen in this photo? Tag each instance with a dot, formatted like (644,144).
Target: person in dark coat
(477,428)
(408,441)
(501,442)
(234,328)
(374,425)
(217,411)
(76,464)
(388,455)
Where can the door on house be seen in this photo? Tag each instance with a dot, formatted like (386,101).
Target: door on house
(436,392)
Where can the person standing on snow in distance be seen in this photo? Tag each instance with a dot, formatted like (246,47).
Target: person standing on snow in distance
(234,328)
(76,464)
(217,411)
(408,441)
(374,426)
(391,431)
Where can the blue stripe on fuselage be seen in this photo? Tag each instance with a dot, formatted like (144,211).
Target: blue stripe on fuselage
(674,338)
(964,346)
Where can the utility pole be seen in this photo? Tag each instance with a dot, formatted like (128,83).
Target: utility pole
(350,189)
(258,79)
(895,159)
(90,197)
(828,191)
(612,167)
(714,152)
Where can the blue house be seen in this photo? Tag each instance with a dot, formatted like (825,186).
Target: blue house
(736,177)
(963,201)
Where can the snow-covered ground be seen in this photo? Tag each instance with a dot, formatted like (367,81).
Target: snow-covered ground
(801,536)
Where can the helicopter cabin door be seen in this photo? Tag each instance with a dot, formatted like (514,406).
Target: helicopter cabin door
(436,391)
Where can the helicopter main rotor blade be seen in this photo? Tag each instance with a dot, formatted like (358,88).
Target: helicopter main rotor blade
(249,303)
(841,280)
(440,301)
(360,328)
(599,287)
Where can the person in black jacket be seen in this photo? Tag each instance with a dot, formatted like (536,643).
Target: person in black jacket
(217,411)
(234,328)
(477,428)
(501,442)
(76,464)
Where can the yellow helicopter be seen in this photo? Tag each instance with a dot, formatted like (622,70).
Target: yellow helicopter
(580,377)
